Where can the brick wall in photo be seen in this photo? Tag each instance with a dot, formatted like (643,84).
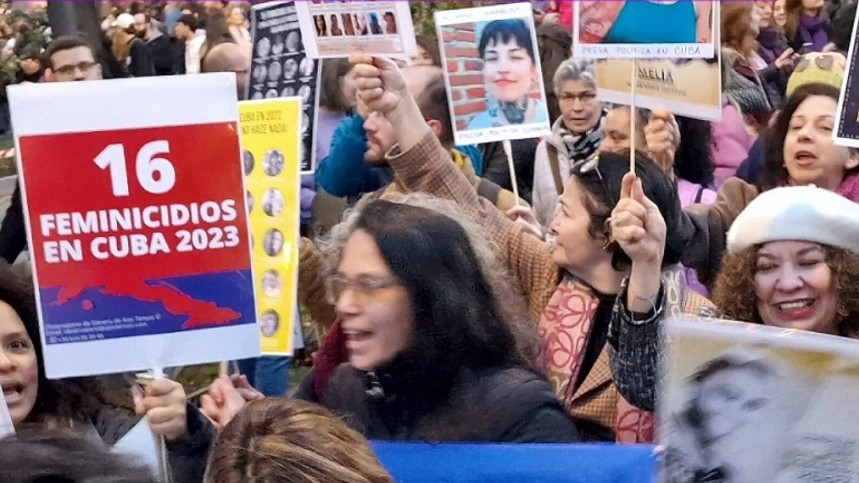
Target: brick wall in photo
(465,70)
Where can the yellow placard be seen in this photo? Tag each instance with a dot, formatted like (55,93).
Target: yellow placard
(271,136)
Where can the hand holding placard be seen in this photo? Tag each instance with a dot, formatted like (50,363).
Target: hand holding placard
(162,402)
(638,227)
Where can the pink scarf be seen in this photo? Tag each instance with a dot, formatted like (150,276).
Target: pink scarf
(564,329)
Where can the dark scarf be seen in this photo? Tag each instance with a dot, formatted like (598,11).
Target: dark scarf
(582,146)
(812,30)
(514,112)
(769,45)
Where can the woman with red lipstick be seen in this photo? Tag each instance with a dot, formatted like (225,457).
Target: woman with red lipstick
(793,262)
(34,400)
(571,283)
(799,151)
(511,75)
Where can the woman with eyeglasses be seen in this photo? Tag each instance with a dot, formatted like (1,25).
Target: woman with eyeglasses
(434,354)
(571,282)
(576,135)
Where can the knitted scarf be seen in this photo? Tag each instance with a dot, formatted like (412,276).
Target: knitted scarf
(582,145)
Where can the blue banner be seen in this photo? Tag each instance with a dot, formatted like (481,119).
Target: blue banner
(534,463)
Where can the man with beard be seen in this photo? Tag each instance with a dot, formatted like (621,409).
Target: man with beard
(161,50)
(139,62)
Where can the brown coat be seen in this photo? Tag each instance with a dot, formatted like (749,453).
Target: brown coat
(426,168)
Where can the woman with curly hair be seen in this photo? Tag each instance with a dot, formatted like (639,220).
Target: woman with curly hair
(799,151)
(792,262)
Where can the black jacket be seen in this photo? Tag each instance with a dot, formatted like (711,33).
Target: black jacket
(13,232)
(497,405)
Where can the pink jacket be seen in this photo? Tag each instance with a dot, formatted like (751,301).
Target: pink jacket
(731,142)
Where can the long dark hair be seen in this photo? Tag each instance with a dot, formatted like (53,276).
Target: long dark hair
(457,321)
(602,192)
(694,161)
(70,399)
(775,173)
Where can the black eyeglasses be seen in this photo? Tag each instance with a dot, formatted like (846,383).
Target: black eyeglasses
(69,70)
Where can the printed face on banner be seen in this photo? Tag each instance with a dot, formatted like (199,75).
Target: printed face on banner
(281,67)
(493,73)
(644,29)
(336,29)
(754,403)
(847,132)
(270,132)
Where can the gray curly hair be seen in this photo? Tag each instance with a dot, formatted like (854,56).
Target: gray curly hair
(511,302)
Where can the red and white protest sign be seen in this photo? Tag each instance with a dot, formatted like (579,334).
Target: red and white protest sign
(137,223)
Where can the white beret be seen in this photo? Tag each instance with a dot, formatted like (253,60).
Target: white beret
(802,213)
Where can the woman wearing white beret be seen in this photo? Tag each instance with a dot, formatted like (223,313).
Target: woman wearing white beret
(799,152)
(792,262)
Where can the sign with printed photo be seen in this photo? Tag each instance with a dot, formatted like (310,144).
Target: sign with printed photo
(492,70)
(141,256)
(6,426)
(747,402)
(280,67)
(271,133)
(645,29)
(686,87)
(336,29)
(847,131)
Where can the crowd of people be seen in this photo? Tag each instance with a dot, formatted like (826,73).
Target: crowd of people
(453,310)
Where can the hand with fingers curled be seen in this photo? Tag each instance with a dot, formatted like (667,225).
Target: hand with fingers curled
(162,402)
(637,225)
(524,216)
(380,84)
(226,397)
(663,138)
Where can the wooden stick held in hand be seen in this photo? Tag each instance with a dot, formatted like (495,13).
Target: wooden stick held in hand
(632,82)
(508,150)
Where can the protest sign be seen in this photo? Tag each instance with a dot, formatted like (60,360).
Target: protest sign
(281,68)
(645,29)
(847,131)
(748,402)
(492,71)
(685,87)
(271,133)
(6,427)
(136,222)
(336,29)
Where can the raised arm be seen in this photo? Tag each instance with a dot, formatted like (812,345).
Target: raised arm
(639,229)
(422,164)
